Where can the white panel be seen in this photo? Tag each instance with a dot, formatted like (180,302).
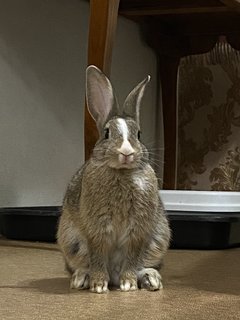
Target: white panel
(202,201)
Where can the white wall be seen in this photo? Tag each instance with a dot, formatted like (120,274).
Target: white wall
(43,46)
(133,60)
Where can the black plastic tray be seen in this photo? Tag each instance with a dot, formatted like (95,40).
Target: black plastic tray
(196,230)
(30,223)
(191,230)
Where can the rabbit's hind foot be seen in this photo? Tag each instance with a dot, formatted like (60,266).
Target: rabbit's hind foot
(150,279)
(79,280)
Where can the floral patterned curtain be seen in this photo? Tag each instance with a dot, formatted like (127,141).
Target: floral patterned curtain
(209,121)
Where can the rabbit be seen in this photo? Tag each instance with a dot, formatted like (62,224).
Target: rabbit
(113,230)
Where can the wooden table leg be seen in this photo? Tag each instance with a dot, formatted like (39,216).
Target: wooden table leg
(168,69)
(102,29)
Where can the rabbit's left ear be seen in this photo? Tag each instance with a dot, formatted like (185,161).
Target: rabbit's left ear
(132,103)
(101,100)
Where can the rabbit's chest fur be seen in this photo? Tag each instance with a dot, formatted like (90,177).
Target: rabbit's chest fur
(117,203)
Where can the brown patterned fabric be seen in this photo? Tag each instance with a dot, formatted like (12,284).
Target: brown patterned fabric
(208,125)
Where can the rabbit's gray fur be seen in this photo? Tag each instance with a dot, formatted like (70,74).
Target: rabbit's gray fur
(113,229)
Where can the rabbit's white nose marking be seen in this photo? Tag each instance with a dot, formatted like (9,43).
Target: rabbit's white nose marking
(122,128)
(126,151)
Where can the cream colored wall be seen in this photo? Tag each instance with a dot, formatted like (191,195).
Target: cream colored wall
(43,48)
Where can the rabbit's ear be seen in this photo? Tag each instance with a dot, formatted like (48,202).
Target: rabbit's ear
(132,103)
(100,97)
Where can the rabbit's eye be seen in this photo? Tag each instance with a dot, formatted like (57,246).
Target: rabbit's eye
(106,133)
(139,135)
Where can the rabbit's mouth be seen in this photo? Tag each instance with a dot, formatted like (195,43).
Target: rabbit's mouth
(124,162)
(125,159)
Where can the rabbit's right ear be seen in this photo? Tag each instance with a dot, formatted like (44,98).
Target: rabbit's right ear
(101,100)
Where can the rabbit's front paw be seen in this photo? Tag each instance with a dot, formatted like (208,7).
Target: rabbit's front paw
(79,280)
(98,282)
(128,281)
(151,279)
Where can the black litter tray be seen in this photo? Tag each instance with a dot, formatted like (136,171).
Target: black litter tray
(29,223)
(191,230)
(196,230)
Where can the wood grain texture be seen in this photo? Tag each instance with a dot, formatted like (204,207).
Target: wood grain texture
(168,70)
(173,7)
(234,4)
(102,27)
(172,11)
(167,4)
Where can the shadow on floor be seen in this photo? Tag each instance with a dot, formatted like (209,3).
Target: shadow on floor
(51,285)
(216,272)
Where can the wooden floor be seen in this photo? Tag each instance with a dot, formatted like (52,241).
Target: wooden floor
(197,285)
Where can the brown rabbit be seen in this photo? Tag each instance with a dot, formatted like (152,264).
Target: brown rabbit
(113,229)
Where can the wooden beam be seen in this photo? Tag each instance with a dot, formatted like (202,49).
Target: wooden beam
(173,11)
(102,28)
(191,25)
(168,70)
(233,4)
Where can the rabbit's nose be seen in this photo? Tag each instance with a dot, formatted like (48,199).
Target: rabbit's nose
(125,159)
(128,153)
(126,148)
